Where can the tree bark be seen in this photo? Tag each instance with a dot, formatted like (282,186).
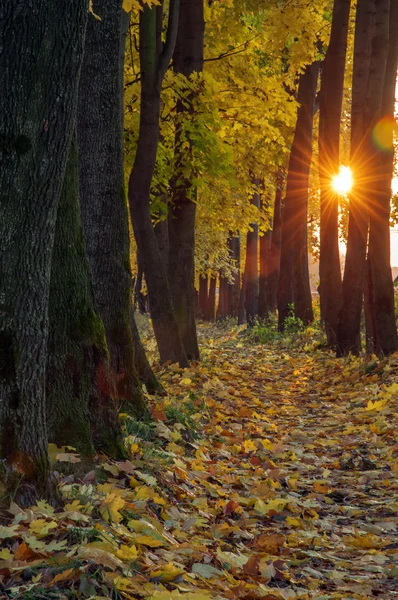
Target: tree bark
(153,67)
(102,196)
(187,59)
(330,107)
(294,286)
(265,251)
(82,402)
(349,321)
(384,59)
(42,48)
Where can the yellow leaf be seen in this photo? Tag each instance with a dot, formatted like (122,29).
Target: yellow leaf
(6,554)
(321,487)
(293,522)
(376,405)
(41,528)
(127,553)
(249,446)
(144,493)
(186,381)
(147,540)
(166,573)
(175,595)
(276,504)
(110,507)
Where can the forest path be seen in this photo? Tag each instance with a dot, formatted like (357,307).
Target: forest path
(268,472)
(309,447)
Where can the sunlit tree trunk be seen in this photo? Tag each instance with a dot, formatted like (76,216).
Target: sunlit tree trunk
(153,68)
(264,256)
(349,321)
(41,53)
(187,59)
(382,297)
(330,106)
(294,285)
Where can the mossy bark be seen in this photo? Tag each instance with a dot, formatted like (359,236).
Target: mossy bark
(42,47)
(102,196)
(82,409)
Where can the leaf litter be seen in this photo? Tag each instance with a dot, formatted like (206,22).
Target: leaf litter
(266,473)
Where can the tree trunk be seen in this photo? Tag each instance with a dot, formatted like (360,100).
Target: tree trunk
(265,251)
(349,321)
(102,197)
(242,300)
(294,286)
(211,301)
(42,48)
(233,289)
(275,249)
(382,299)
(153,68)
(203,295)
(162,235)
(251,266)
(187,59)
(222,298)
(144,370)
(303,142)
(82,403)
(330,106)
(139,298)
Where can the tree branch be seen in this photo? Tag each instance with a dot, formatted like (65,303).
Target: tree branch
(171,38)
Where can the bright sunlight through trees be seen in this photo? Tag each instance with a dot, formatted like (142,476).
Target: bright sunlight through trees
(342,182)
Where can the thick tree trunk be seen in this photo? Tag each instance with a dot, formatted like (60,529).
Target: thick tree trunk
(153,67)
(187,59)
(102,197)
(294,285)
(82,404)
(211,301)
(162,235)
(349,321)
(203,295)
(382,299)
(275,249)
(42,49)
(251,266)
(233,289)
(330,106)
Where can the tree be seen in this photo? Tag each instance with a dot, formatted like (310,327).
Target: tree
(42,49)
(330,107)
(294,287)
(154,60)
(102,197)
(381,104)
(187,61)
(82,397)
(349,321)
(251,266)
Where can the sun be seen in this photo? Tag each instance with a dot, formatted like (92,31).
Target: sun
(342,182)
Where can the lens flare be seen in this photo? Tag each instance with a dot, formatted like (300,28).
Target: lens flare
(342,182)
(383,133)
